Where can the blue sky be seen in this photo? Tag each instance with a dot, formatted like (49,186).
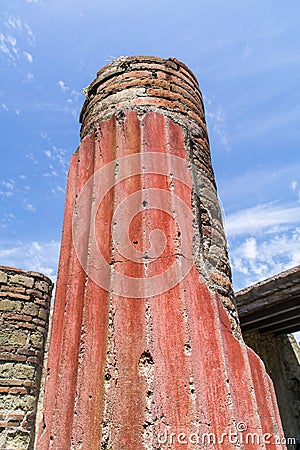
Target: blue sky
(245,55)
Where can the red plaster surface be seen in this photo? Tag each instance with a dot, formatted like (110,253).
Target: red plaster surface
(143,365)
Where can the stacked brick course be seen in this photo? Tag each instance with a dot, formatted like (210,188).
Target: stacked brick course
(24,313)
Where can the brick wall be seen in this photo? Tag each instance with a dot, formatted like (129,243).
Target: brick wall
(24,313)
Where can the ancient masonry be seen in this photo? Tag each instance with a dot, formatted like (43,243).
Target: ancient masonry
(24,311)
(146,350)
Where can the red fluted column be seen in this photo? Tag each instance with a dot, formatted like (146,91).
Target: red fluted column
(146,350)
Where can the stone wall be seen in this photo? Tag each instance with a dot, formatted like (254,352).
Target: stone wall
(24,312)
(40,403)
(281,356)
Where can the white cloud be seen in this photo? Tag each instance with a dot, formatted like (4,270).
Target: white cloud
(28,56)
(44,136)
(57,190)
(262,241)
(30,34)
(52,173)
(217,119)
(47,153)
(8,47)
(59,156)
(59,162)
(294,185)
(8,188)
(10,184)
(260,217)
(256,258)
(260,183)
(269,247)
(29,207)
(74,100)
(62,86)
(28,77)
(76,94)
(6,220)
(37,256)
(5,193)
(13,42)
(250,248)
(14,23)
(10,40)
(31,157)
(55,163)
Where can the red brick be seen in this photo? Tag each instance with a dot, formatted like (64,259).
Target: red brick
(36,293)
(13,423)
(11,357)
(33,360)
(15,416)
(26,352)
(17,390)
(4,390)
(39,322)
(29,383)
(7,382)
(14,289)
(18,296)
(17,317)
(173,96)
